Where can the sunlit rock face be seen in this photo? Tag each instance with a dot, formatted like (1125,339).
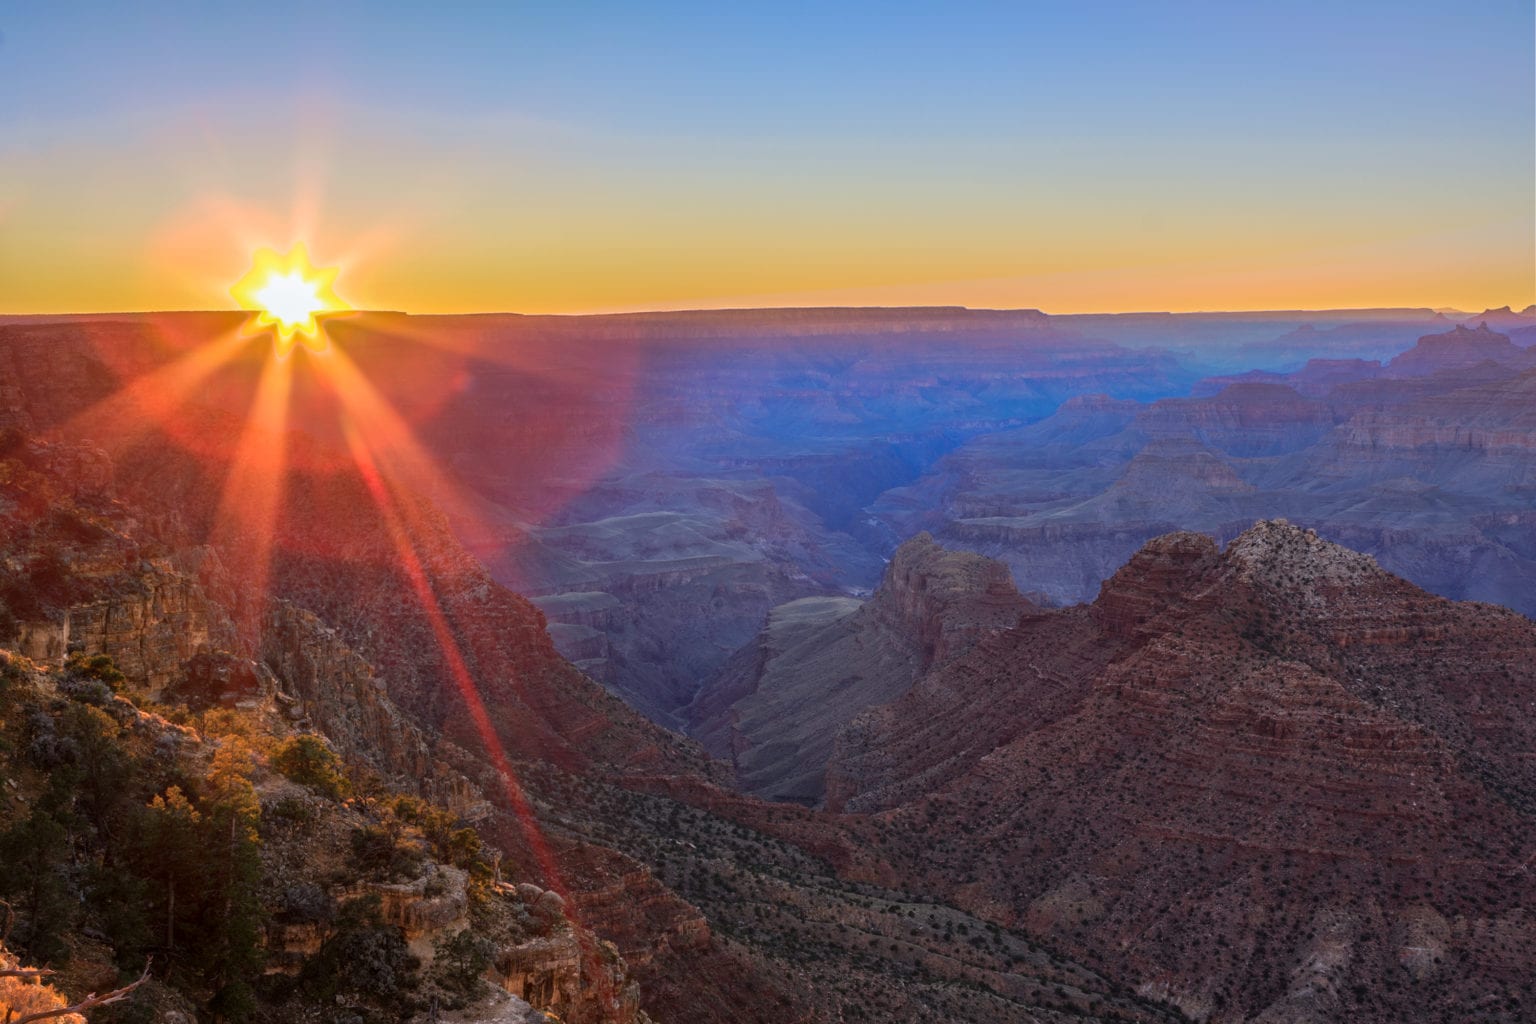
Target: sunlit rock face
(84,581)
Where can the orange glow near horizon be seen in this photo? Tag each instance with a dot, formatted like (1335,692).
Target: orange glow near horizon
(416,258)
(289,294)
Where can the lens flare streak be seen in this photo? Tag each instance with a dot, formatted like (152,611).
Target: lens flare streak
(462,678)
(388,434)
(154,398)
(291,296)
(246,520)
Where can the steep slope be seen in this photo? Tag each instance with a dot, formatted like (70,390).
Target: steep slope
(83,584)
(820,661)
(1272,782)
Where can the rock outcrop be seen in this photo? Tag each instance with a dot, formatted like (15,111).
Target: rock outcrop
(1257,779)
(821,661)
(1458,348)
(151,626)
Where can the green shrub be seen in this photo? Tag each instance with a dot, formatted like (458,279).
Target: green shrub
(292,811)
(98,667)
(377,851)
(362,958)
(308,761)
(460,960)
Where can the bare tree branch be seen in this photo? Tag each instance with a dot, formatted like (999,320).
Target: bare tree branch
(26,972)
(90,1002)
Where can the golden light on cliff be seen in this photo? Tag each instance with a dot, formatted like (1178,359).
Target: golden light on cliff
(332,429)
(289,294)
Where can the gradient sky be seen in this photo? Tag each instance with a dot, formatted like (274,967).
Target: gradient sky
(573,157)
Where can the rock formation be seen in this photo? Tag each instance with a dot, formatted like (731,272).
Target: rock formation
(820,661)
(1460,347)
(1260,780)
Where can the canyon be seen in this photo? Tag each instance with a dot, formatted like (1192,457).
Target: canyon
(374,630)
(849,553)
(658,483)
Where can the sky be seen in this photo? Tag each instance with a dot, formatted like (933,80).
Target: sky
(591,157)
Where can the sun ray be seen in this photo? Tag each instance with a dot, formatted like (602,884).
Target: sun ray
(458,669)
(153,400)
(395,444)
(596,381)
(246,520)
(380,442)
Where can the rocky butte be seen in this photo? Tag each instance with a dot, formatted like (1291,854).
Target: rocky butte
(1270,782)
(781,700)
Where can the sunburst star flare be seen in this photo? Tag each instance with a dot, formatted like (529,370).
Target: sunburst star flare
(289,294)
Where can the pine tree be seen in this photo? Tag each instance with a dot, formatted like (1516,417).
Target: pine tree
(170,855)
(233,824)
(35,851)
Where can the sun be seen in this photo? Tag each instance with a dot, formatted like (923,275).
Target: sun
(289,293)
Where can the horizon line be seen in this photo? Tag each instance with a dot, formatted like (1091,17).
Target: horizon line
(951,307)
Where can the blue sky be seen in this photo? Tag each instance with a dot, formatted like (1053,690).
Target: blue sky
(1330,127)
